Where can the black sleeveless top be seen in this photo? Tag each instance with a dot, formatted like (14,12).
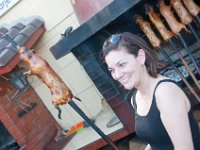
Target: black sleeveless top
(150,128)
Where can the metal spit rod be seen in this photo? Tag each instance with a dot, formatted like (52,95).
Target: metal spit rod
(198,19)
(79,111)
(82,114)
(185,63)
(179,73)
(189,52)
(193,31)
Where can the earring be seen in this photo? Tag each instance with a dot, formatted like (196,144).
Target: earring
(151,66)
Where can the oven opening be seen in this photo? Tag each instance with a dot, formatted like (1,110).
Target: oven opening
(6,140)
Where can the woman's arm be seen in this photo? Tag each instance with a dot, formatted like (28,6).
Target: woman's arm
(174,106)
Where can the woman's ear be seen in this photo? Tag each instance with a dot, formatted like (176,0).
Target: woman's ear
(141,56)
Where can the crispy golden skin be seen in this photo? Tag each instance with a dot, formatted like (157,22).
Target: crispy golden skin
(182,12)
(40,68)
(156,20)
(167,13)
(146,28)
(192,7)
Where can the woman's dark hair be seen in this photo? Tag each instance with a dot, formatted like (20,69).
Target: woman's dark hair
(132,43)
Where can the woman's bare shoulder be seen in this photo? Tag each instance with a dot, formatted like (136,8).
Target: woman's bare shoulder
(171,95)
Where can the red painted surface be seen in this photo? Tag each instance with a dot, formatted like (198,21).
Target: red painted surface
(10,65)
(85,9)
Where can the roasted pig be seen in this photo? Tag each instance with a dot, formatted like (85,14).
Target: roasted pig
(39,67)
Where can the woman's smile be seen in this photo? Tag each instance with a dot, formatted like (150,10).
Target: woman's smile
(124,67)
(124,80)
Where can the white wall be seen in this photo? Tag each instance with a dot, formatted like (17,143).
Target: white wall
(58,15)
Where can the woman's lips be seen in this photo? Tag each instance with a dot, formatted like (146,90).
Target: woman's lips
(124,81)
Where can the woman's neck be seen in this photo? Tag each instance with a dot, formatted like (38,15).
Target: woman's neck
(147,85)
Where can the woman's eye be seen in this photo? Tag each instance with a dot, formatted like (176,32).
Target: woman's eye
(122,64)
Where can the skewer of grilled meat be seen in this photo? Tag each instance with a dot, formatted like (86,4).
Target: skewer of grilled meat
(146,28)
(156,20)
(181,11)
(167,13)
(167,35)
(170,18)
(40,68)
(192,7)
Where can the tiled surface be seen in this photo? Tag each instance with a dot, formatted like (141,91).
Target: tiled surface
(45,94)
(53,36)
(91,101)
(52,11)
(88,135)
(76,77)
(66,60)
(90,104)
(70,20)
(66,120)
(48,38)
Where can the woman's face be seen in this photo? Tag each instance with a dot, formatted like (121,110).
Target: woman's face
(125,67)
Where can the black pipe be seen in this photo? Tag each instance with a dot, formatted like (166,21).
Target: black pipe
(179,73)
(189,52)
(82,114)
(193,31)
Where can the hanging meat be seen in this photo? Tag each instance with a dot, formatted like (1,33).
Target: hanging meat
(156,20)
(192,7)
(167,13)
(181,11)
(40,67)
(146,28)
(154,17)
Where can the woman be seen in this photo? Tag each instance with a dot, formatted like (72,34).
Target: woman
(163,115)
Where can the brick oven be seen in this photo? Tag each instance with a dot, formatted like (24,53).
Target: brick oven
(35,129)
(86,42)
